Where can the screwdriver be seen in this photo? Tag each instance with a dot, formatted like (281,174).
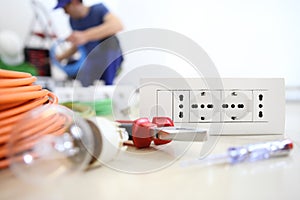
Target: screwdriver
(247,153)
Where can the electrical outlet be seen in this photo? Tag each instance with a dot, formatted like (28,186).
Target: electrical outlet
(181,109)
(241,106)
(259,105)
(237,106)
(204,106)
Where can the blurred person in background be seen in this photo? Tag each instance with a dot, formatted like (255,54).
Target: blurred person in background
(93,25)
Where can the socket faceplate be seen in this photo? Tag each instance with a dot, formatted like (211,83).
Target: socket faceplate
(240,106)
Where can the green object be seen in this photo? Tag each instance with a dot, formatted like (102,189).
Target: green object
(102,107)
(23,67)
(89,109)
(83,110)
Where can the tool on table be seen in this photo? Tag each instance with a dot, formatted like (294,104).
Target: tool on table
(248,153)
(161,131)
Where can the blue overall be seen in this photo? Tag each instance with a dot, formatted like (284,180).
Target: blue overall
(104,60)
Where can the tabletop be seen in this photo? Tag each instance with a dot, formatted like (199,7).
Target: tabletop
(157,173)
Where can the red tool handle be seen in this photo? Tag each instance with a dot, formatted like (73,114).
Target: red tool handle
(162,122)
(141,135)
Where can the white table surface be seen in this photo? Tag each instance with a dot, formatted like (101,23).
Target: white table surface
(270,179)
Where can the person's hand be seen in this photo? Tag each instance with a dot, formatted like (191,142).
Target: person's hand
(77,38)
(59,58)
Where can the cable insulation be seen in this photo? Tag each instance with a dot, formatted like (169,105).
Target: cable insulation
(19,95)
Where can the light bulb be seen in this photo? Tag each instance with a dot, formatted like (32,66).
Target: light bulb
(49,142)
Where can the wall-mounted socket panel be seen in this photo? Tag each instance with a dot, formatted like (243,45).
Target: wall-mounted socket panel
(238,105)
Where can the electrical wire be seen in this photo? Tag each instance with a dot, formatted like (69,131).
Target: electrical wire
(101,107)
(83,110)
(18,95)
(88,109)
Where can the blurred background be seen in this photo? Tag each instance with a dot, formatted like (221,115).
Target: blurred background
(257,38)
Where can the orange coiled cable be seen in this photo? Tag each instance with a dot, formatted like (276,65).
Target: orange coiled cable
(18,95)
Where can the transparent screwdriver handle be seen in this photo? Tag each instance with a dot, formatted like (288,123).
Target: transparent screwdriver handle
(259,151)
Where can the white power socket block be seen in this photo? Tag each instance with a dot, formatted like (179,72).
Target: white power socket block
(239,105)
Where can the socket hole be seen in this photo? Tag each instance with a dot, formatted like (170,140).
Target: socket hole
(202,93)
(194,105)
(225,106)
(260,97)
(202,118)
(232,106)
(180,106)
(233,117)
(241,106)
(210,106)
(260,114)
(181,97)
(234,94)
(260,106)
(202,106)
(180,114)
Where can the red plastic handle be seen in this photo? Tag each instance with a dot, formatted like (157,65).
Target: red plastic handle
(162,122)
(141,131)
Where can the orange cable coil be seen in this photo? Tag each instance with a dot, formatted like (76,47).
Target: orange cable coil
(18,95)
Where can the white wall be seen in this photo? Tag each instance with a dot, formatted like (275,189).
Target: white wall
(245,38)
